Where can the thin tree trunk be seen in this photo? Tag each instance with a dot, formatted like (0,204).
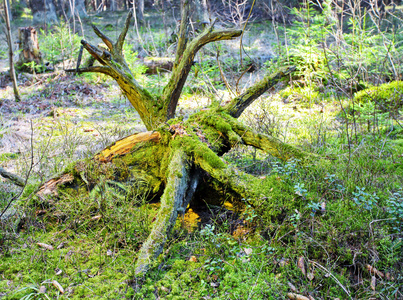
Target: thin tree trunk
(10,52)
(140,15)
(10,16)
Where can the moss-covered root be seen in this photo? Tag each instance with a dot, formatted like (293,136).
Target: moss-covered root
(271,144)
(172,202)
(236,180)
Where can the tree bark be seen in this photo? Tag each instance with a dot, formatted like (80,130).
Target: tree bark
(79,8)
(43,11)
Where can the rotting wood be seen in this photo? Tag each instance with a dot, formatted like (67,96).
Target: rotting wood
(29,49)
(125,145)
(14,178)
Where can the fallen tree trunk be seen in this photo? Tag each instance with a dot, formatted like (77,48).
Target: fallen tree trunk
(173,155)
(156,65)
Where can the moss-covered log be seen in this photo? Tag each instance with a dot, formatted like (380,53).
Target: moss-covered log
(172,156)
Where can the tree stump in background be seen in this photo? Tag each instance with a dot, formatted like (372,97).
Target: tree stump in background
(30,58)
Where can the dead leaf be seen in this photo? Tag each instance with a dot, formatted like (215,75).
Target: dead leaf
(248,251)
(374,271)
(42,289)
(58,271)
(109,252)
(193,258)
(293,296)
(389,276)
(58,286)
(292,287)
(46,246)
(61,245)
(323,207)
(373,282)
(310,276)
(301,265)
(95,218)
(164,289)
(283,262)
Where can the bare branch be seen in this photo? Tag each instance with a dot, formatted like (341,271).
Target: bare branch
(178,78)
(122,36)
(94,69)
(108,42)
(236,107)
(269,144)
(94,51)
(182,31)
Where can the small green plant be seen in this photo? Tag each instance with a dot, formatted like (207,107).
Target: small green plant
(363,199)
(31,292)
(34,67)
(59,44)
(300,190)
(395,208)
(289,169)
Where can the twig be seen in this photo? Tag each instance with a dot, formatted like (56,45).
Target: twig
(27,177)
(331,275)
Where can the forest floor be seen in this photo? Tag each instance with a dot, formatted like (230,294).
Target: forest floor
(327,231)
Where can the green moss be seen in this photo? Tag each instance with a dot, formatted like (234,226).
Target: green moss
(388,96)
(300,94)
(8,156)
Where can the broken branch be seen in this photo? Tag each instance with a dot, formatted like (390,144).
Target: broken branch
(236,107)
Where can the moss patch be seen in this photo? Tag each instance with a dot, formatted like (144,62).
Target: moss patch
(388,96)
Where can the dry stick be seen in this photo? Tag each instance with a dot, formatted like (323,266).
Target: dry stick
(80,54)
(17,180)
(243,30)
(331,275)
(240,42)
(341,105)
(28,174)
(222,73)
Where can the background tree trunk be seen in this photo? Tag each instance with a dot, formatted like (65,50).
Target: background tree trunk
(79,9)
(10,51)
(10,15)
(112,5)
(140,12)
(43,11)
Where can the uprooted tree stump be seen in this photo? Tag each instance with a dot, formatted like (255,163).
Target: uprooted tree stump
(174,157)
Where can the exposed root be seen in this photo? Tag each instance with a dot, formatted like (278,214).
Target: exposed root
(172,202)
(49,188)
